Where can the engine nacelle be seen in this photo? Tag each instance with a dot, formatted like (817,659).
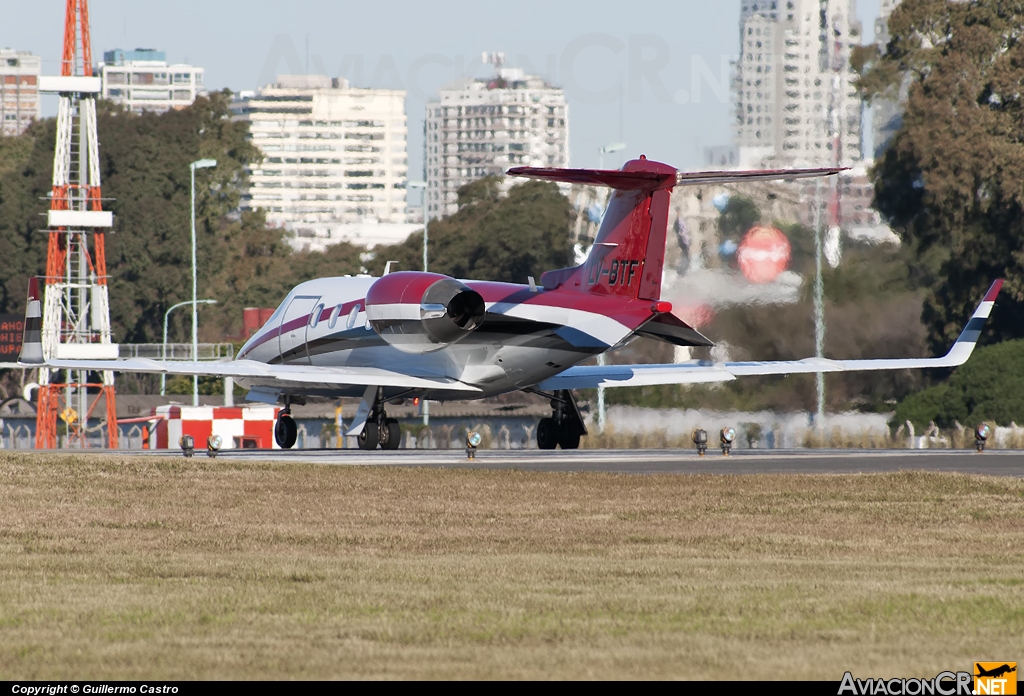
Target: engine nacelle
(422,312)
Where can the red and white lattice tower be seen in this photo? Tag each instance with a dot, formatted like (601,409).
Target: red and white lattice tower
(76,307)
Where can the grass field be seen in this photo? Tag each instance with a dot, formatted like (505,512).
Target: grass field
(170,568)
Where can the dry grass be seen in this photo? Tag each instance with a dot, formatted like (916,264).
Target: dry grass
(167,568)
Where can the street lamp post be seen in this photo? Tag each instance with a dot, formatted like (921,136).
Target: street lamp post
(423,185)
(163,350)
(426,223)
(819,311)
(607,149)
(198,164)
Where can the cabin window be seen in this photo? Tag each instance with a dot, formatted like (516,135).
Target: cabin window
(352,316)
(334,317)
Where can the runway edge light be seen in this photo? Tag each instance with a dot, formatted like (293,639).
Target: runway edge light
(981,435)
(213,445)
(727,437)
(700,439)
(473,440)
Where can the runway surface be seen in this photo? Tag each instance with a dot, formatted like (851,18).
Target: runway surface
(991,463)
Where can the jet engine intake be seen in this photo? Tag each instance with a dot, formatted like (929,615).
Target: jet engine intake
(423,312)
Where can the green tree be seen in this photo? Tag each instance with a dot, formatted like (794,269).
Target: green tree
(950,181)
(145,174)
(26,163)
(492,237)
(989,387)
(145,170)
(739,216)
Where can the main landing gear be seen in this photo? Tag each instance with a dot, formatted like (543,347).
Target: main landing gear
(379,430)
(565,426)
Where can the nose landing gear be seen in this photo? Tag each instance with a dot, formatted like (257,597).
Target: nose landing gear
(285,430)
(565,426)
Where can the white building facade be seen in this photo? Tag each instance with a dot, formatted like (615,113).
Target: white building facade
(335,163)
(796,99)
(142,80)
(887,114)
(477,128)
(19,91)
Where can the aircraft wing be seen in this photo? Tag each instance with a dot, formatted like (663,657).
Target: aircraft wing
(696,372)
(305,374)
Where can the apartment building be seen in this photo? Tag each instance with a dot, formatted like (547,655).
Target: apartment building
(335,163)
(478,127)
(796,102)
(19,90)
(142,80)
(886,114)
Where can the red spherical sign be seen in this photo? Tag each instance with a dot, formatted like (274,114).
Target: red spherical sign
(696,315)
(763,254)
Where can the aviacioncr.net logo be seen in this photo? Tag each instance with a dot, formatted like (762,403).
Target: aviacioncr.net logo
(992,678)
(943,684)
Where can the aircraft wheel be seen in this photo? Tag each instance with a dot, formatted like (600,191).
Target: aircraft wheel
(547,434)
(390,435)
(285,431)
(569,440)
(370,436)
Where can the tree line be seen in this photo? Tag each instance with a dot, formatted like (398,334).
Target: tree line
(241,260)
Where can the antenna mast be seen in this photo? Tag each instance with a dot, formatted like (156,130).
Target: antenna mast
(76,307)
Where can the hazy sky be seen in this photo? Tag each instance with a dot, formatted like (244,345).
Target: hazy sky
(654,75)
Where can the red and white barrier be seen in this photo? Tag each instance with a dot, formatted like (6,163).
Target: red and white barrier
(238,427)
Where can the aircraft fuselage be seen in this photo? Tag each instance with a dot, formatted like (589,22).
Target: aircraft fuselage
(528,335)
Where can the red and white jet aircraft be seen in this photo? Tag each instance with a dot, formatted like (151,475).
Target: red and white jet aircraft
(426,335)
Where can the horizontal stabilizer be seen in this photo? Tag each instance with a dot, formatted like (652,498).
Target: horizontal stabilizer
(696,178)
(671,329)
(613,178)
(652,180)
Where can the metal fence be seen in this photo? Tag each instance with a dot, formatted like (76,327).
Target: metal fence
(177,351)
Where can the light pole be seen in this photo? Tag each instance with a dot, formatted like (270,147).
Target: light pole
(607,149)
(819,311)
(198,164)
(163,351)
(426,222)
(423,185)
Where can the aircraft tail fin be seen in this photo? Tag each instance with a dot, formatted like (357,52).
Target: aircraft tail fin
(629,253)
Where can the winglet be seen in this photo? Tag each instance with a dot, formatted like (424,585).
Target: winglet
(993,291)
(32,340)
(968,338)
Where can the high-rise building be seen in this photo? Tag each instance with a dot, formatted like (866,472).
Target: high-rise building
(335,163)
(19,90)
(795,94)
(886,114)
(142,80)
(479,127)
